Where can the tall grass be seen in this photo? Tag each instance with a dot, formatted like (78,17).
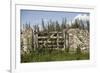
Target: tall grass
(45,55)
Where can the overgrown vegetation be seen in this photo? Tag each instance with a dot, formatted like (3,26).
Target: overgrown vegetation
(56,26)
(44,55)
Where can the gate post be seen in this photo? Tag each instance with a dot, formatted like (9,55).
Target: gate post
(64,36)
(35,40)
(57,40)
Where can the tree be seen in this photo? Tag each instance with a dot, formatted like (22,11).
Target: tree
(26,25)
(48,26)
(82,25)
(29,25)
(88,25)
(35,28)
(76,24)
(57,26)
(52,25)
(63,25)
(43,25)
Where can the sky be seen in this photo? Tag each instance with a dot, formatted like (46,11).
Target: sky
(34,17)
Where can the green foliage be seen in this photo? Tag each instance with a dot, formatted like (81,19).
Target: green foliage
(76,24)
(88,25)
(78,52)
(57,26)
(26,58)
(54,25)
(44,55)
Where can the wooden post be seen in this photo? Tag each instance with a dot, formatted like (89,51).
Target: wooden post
(35,40)
(34,35)
(57,40)
(64,35)
(67,42)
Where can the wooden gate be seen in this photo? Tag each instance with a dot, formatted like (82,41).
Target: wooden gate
(50,40)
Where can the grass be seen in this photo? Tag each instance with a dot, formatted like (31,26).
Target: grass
(54,55)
